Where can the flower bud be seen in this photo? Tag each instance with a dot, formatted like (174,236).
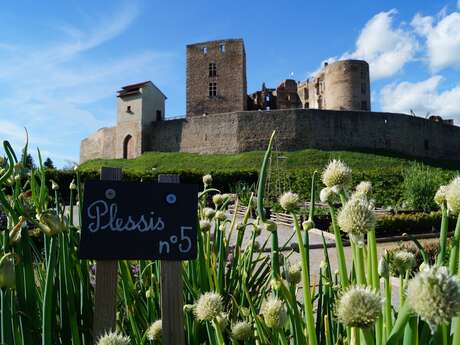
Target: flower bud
(270,226)
(207,180)
(308,225)
(205,225)
(149,293)
(7,272)
(220,215)
(209,213)
(257,230)
(50,223)
(383,267)
(73,185)
(325,195)
(54,185)
(188,308)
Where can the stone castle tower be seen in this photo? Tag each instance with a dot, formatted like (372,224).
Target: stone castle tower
(216,77)
(342,85)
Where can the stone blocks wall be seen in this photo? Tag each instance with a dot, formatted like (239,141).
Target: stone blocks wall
(99,145)
(310,128)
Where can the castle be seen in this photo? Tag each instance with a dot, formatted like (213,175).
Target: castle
(331,110)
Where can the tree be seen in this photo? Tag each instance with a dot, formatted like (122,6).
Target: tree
(29,161)
(49,164)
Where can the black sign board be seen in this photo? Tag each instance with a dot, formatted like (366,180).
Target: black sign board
(137,220)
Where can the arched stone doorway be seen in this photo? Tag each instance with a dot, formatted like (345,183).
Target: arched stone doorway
(128,147)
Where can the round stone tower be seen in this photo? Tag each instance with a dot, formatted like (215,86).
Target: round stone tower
(346,85)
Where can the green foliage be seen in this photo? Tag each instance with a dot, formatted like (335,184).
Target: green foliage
(411,223)
(419,187)
(49,164)
(287,171)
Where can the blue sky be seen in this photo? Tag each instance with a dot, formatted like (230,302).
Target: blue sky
(62,61)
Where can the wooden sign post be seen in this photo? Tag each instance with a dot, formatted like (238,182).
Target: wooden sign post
(134,221)
(172,301)
(105,298)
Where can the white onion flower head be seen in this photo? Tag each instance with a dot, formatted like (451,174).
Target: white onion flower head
(220,215)
(209,306)
(337,173)
(289,201)
(207,180)
(241,330)
(217,199)
(440,196)
(113,338)
(364,187)
(155,331)
(205,225)
(453,195)
(403,261)
(359,306)
(209,213)
(434,295)
(274,312)
(356,217)
(294,273)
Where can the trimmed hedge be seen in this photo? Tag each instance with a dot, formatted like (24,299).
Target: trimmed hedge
(387,182)
(223,180)
(399,223)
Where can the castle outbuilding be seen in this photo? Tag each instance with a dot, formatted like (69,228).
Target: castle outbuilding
(331,110)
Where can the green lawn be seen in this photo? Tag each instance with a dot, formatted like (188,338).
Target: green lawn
(309,158)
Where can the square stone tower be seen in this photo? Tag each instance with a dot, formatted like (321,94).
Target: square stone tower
(138,106)
(216,77)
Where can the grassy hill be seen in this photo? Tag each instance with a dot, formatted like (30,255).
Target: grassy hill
(310,159)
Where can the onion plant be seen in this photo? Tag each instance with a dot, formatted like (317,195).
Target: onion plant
(238,290)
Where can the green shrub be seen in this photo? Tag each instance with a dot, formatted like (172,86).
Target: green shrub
(419,187)
(399,223)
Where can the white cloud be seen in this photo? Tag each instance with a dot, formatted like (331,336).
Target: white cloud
(60,93)
(385,47)
(421,97)
(442,39)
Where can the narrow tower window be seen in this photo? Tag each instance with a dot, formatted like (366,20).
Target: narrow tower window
(363,88)
(212,89)
(128,109)
(204,50)
(222,48)
(212,69)
(363,105)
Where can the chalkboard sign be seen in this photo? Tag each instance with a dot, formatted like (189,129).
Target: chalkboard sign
(137,220)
